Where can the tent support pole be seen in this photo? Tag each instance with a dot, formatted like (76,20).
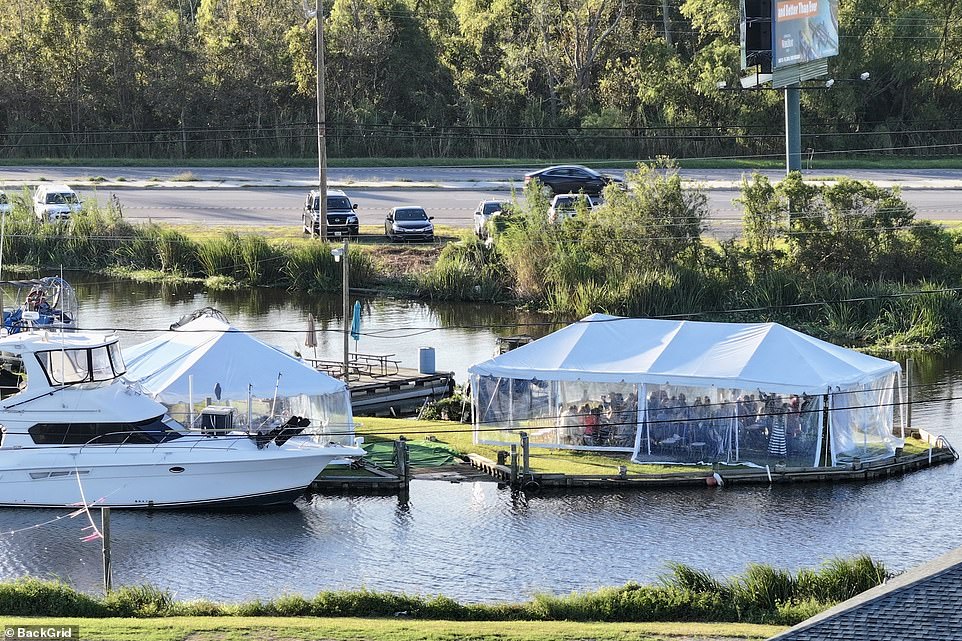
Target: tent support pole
(825,431)
(190,402)
(909,366)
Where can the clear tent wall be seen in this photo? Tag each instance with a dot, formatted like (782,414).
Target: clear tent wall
(329,415)
(672,423)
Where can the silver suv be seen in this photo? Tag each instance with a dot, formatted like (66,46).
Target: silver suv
(341,214)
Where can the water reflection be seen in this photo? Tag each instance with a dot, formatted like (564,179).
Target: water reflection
(474,541)
(461,334)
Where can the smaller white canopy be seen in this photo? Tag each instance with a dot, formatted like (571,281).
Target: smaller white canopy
(767,356)
(223,362)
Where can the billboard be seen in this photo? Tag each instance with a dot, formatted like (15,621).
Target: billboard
(804,31)
(756,34)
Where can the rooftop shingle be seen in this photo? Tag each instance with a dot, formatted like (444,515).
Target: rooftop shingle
(923,604)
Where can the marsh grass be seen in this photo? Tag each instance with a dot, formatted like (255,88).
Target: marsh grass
(467,270)
(99,238)
(762,595)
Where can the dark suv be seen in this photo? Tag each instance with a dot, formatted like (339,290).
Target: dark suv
(341,215)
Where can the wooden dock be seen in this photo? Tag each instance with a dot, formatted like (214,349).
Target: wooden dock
(398,394)
(707,477)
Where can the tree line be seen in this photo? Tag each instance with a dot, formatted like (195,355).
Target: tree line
(460,78)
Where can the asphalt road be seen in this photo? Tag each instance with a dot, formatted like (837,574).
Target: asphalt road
(242,175)
(275,196)
(278,206)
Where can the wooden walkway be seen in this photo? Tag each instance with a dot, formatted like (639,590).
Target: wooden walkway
(706,477)
(403,393)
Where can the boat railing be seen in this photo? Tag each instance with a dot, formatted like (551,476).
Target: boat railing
(197,440)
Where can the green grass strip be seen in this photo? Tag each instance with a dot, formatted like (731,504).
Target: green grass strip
(395,629)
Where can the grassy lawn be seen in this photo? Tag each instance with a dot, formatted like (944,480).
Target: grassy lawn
(460,437)
(349,629)
(292,233)
(865,162)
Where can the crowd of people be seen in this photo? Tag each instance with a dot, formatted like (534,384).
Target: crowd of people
(681,428)
(612,421)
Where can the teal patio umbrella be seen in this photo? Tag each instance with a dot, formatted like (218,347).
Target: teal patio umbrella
(356,324)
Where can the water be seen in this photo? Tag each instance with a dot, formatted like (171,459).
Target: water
(473,541)
(461,334)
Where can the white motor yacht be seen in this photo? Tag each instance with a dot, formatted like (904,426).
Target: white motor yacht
(74,431)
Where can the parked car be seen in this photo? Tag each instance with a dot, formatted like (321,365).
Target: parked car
(5,206)
(55,202)
(341,214)
(408,223)
(564,206)
(485,210)
(565,179)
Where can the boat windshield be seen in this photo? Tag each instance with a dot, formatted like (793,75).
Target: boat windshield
(85,365)
(151,431)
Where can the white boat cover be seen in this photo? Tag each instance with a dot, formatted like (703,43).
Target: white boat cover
(602,348)
(220,356)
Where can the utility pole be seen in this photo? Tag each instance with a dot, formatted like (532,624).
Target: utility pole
(321,124)
(793,129)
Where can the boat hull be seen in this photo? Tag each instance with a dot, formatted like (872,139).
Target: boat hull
(162,477)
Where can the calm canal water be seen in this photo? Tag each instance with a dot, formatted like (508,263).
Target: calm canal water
(473,541)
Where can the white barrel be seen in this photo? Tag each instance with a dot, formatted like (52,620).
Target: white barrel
(426,360)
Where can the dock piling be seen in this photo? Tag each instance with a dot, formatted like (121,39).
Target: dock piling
(525,457)
(514,465)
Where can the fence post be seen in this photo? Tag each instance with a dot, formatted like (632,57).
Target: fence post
(105,531)
(525,454)
(514,465)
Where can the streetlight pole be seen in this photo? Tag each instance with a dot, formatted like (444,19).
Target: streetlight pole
(321,124)
(347,308)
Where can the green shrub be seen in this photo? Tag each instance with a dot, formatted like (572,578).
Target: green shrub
(139,601)
(31,597)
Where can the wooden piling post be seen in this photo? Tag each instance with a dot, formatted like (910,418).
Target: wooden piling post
(105,531)
(402,456)
(514,465)
(525,457)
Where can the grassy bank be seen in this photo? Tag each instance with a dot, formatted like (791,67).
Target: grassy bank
(863,162)
(845,262)
(763,594)
(393,629)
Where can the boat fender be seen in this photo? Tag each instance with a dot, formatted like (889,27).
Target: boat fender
(715,480)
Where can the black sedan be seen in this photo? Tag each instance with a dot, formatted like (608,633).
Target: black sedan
(408,223)
(567,179)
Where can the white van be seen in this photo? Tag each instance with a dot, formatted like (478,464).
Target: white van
(55,202)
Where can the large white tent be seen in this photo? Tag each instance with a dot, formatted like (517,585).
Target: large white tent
(757,392)
(206,361)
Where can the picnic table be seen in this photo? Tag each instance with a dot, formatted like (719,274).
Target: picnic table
(373,365)
(384,364)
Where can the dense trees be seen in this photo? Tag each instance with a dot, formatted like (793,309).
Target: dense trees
(452,77)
